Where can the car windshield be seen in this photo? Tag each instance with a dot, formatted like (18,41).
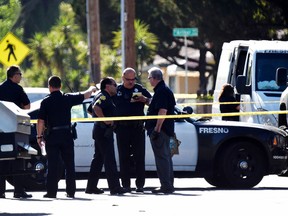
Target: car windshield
(35,93)
(266,66)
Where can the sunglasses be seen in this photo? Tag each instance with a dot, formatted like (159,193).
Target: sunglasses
(113,84)
(130,79)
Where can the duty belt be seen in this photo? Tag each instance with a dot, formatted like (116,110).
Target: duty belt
(131,123)
(61,127)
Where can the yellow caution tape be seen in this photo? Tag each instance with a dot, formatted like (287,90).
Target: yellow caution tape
(203,115)
(211,103)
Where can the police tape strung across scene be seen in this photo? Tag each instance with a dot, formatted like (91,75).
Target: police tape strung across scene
(203,115)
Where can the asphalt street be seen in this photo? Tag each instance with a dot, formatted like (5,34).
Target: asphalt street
(192,197)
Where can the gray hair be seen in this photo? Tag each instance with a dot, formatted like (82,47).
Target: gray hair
(127,70)
(156,73)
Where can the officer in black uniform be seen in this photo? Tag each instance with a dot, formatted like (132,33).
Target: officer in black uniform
(104,141)
(97,161)
(55,116)
(11,91)
(130,101)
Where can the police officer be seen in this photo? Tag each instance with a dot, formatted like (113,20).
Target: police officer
(160,130)
(104,141)
(97,161)
(10,90)
(130,101)
(55,116)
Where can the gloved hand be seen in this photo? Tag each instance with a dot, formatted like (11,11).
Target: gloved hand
(154,135)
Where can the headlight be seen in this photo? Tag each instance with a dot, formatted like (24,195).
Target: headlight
(267,119)
(279,141)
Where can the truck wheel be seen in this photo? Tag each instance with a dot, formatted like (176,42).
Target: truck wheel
(242,165)
(36,180)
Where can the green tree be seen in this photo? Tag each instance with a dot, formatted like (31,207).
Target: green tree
(110,62)
(37,16)
(145,43)
(61,51)
(9,10)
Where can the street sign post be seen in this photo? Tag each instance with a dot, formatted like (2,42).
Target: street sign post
(185,32)
(12,50)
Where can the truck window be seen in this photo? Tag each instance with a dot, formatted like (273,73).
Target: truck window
(266,66)
(248,69)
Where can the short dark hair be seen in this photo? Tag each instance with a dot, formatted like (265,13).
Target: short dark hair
(12,70)
(106,81)
(54,81)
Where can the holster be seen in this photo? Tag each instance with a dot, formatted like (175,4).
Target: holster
(74,131)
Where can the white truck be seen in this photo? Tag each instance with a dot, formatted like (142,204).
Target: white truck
(251,66)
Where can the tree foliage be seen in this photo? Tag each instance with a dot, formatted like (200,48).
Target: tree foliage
(146,43)
(217,21)
(60,52)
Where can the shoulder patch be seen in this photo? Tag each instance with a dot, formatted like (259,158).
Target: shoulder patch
(100,99)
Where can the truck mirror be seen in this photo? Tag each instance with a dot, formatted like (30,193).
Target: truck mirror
(281,76)
(241,86)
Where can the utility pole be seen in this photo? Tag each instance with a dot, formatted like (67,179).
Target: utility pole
(130,51)
(93,31)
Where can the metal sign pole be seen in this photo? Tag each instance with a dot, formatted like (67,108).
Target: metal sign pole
(186,61)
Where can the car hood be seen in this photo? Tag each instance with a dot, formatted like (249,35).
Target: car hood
(239,125)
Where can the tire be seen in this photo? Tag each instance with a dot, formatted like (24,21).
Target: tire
(242,165)
(37,180)
(216,180)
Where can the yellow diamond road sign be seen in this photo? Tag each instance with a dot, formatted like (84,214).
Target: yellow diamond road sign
(12,50)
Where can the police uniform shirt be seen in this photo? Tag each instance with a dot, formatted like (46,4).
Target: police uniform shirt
(105,102)
(12,92)
(55,108)
(123,101)
(90,109)
(163,98)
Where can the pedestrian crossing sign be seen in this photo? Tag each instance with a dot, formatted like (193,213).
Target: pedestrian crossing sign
(12,50)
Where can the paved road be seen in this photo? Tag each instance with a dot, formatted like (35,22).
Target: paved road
(192,197)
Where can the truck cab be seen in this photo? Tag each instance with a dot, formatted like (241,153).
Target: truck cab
(256,84)
(231,65)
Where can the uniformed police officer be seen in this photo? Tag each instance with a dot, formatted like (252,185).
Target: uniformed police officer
(10,90)
(55,116)
(130,101)
(104,141)
(97,161)
(160,130)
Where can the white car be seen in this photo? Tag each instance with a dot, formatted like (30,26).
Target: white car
(226,154)
(36,93)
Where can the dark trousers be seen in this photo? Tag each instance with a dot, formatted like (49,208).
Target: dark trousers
(7,167)
(104,154)
(95,168)
(163,160)
(60,147)
(131,141)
